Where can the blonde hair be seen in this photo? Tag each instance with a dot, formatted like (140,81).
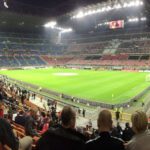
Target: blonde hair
(139,121)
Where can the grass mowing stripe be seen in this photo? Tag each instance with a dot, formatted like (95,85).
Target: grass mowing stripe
(94,85)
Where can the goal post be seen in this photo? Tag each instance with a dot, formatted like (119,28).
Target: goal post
(147,79)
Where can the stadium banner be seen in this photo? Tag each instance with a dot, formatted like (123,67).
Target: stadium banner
(116,24)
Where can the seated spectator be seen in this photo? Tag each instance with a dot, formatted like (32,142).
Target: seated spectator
(20,119)
(45,126)
(7,137)
(30,124)
(41,120)
(105,141)
(127,133)
(1,110)
(64,137)
(141,140)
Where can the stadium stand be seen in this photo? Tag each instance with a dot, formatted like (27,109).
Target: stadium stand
(114,35)
(16,52)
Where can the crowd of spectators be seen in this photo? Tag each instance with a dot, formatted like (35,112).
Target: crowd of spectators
(45,130)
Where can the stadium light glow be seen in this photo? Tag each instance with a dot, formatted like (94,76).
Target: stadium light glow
(66,30)
(51,24)
(137,19)
(5,4)
(80,14)
(143,19)
(118,6)
(133,3)
(133,20)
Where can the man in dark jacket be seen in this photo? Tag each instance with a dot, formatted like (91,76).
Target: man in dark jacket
(20,119)
(7,136)
(64,137)
(105,141)
(127,133)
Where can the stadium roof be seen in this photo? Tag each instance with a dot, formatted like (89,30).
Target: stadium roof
(34,14)
(50,8)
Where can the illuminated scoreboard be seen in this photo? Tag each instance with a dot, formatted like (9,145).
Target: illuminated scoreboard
(116,24)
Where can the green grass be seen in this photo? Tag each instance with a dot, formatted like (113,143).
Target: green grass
(92,85)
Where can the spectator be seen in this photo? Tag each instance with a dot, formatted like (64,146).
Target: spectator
(64,137)
(41,119)
(127,133)
(1,110)
(45,126)
(7,137)
(30,124)
(105,141)
(141,140)
(117,114)
(117,131)
(20,119)
(83,112)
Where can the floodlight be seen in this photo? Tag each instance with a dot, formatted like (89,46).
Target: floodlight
(108,8)
(99,10)
(104,9)
(80,15)
(143,19)
(141,3)
(5,4)
(131,3)
(118,6)
(137,3)
(66,30)
(125,5)
(51,24)
(133,20)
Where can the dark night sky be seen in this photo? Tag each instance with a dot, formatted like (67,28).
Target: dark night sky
(57,3)
(56,7)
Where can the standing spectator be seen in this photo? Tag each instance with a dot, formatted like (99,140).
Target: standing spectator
(34,95)
(141,140)
(127,133)
(143,104)
(117,114)
(119,128)
(79,111)
(83,112)
(105,141)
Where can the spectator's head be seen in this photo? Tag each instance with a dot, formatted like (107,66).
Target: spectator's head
(43,114)
(104,121)
(127,125)
(21,112)
(118,124)
(139,122)
(33,113)
(68,117)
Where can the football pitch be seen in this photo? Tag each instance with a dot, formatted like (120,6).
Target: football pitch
(111,87)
